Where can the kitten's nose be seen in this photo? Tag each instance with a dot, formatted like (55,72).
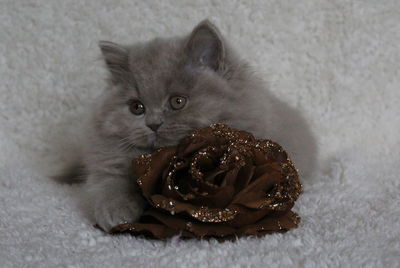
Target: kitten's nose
(154,127)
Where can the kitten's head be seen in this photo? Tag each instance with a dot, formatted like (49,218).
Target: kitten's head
(162,89)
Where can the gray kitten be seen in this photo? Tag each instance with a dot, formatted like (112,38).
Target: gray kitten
(159,91)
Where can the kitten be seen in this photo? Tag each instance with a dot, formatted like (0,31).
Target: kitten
(159,91)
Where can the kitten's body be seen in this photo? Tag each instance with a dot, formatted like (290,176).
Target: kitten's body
(219,87)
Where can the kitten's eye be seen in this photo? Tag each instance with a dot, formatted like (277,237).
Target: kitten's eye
(136,107)
(177,102)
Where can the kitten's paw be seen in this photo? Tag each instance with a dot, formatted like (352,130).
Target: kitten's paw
(111,212)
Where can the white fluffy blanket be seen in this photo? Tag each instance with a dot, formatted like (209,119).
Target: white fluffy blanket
(339,61)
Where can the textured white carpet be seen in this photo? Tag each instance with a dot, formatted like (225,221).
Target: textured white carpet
(337,60)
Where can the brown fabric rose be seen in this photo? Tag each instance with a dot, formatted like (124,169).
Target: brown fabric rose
(218,182)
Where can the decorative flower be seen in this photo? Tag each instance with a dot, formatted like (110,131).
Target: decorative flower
(217,182)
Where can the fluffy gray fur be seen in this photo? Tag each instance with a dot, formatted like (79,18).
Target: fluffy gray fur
(219,87)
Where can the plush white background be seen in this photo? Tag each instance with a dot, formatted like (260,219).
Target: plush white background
(338,61)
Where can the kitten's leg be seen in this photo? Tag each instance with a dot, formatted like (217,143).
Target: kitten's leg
(114,200)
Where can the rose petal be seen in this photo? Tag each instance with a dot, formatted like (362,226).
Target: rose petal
(258,189)
(201,213)
(244,176)
(151,169)
(221,199)
(231,176)
(247,216)
(274,222)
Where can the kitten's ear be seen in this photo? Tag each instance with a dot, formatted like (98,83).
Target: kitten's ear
(116,58)
(205,46)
